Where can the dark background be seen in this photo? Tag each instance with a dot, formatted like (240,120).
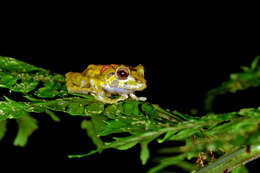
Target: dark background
(183,60)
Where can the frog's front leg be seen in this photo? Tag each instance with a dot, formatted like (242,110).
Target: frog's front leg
(104,97)
(134,97)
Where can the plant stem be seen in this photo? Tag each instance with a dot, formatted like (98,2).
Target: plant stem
(232,160)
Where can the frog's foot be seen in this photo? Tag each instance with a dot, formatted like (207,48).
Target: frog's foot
(134,97)
(108,100)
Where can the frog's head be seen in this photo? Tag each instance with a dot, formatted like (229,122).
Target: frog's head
(125,79)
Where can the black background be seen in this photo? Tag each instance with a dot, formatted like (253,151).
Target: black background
(183,60)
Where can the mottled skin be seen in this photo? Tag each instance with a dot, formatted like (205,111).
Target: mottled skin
(102,81)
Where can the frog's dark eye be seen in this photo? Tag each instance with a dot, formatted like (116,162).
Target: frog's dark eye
(122,73)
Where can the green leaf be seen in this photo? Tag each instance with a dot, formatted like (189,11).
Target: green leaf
(7,80)
(131,108)
(10,109)
(240,169)
(22,77)
(145,153)
(114,110)
(92,131)
(148,109)
(50,89)
(167,114)
(2,129)
(11,64)
(126,146)
(167,162)
(237,82)
(122,143)
(25,86)
(84,155)
(115,126)
(75,108)
(238,140)
(255,63)
(94,108)
(184,134)
(254,138)
(245,68)
(53,116)
(167,136)
(233,136)
(26,126)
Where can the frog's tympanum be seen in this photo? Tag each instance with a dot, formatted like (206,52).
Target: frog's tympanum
(102,81)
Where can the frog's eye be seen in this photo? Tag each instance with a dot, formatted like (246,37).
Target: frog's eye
(122,73)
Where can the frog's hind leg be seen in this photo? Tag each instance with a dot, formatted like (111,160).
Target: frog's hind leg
(72,82)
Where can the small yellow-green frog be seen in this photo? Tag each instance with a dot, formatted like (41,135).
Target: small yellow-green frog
(102,81)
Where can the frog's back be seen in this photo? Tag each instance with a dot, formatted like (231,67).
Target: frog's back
(82,82)
(92,71)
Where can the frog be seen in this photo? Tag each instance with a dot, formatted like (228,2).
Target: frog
(104,81)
